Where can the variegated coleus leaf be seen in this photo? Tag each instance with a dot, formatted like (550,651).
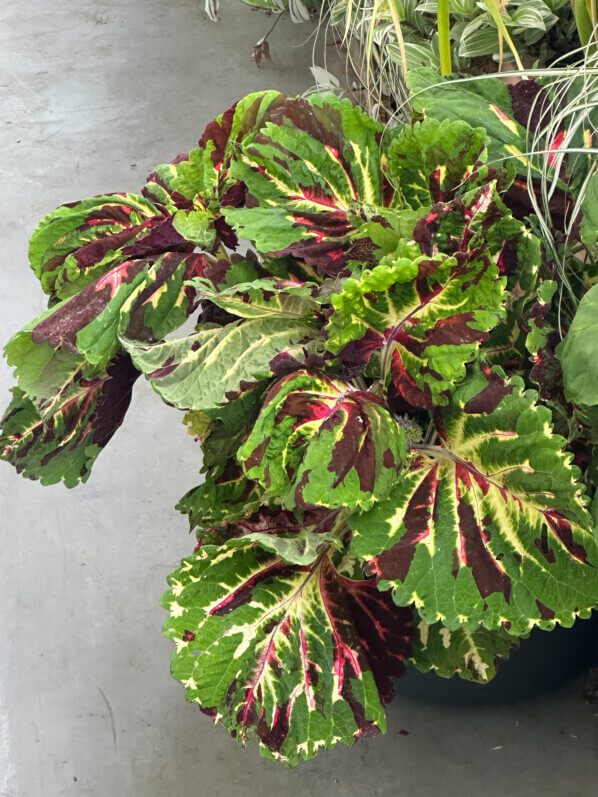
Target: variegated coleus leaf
(263,298)
(74,385)
(64,445)
(217,364)
(473,655)
(48,376)
(77,339)
(224,499)
(541,343)
(519,262)
(432,161)
(79,242)
(316,188)
(196,186)
(296,537)
(490,525)
(144,299)
(428,314)
(301,656)
(475,223)
(320,442)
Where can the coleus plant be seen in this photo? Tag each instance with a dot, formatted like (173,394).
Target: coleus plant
(382,482)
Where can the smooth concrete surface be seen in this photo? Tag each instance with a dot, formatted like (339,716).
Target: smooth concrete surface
(92,95)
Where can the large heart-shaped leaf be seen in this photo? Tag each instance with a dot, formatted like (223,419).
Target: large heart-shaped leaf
(320,442)
(577,353)
(489,526)
(302,656)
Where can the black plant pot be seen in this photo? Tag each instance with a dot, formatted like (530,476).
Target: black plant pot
(542,663)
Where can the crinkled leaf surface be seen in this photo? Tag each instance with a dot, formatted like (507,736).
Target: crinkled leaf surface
(296,537)
(519,262)
(482,103)
(319,442)
(301,656)
(48,376)
(224,499)
(489,526)
(429,313)
(431,161)
(473,655)
(64,445)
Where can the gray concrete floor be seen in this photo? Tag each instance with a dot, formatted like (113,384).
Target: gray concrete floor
(92,95)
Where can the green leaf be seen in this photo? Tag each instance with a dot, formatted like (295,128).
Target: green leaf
(490,526)
(195,226)
(520,260)
(219,503)
(211,366)
(301,656)
(320,442)
(48,376)
(589,210)
(431,161)
(473,655)
(477,40)
(577,353)
(482,103)
(296,537)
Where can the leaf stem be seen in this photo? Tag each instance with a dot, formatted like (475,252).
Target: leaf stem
(276,21)
(495,12)
(444,38)
(399,31)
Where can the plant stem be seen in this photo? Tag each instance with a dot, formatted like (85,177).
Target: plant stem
(399,31)
(494,10)
(444,37)
(276,21)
